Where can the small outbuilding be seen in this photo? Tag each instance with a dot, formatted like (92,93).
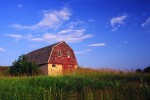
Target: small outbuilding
(56,59)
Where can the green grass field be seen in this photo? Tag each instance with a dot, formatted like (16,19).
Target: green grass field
(81,85)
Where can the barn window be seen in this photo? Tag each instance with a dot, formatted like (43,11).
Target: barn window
(59,53)
(68,54)
(53,65)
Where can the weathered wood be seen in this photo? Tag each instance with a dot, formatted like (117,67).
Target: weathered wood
(59,55)
(68,62)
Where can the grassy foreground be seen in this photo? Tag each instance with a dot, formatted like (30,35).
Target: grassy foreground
(82,85)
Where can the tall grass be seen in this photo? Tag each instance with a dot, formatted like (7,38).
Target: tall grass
(84,85)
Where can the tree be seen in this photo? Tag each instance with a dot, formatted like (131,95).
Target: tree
(23,67)
(138,70)
(147,69)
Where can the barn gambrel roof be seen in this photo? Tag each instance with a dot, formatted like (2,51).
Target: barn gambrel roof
(41,56)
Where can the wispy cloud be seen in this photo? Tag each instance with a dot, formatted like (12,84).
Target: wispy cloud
(2,49)
(83,52)
(75,24)
(71,31)
(70,36)
(97,45)
(124,43)
(146,23)
(16,36)
(19,5)
(116,22)
(51,20)
(91,20)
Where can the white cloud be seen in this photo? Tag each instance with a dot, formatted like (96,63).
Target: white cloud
(2,49)
(71,31)
(65,31)
(146,23)
(74,24)
(51,20)
(16,36)
(19,5)
(123,44)
(83,52)
(97,45)
(78,32)
(70,36)
(116,22)
(36,39)
(91,20)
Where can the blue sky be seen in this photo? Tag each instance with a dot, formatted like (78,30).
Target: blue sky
(103,33)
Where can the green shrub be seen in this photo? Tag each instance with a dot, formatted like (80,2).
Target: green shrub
(23,67)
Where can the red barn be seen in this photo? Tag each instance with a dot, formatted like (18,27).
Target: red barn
(55,59)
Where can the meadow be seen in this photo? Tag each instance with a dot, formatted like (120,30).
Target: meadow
(84,84)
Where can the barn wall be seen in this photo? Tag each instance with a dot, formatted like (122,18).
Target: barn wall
(44,69)
(54,71)
(63,59)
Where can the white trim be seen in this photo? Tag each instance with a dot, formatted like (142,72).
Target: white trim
(52,50)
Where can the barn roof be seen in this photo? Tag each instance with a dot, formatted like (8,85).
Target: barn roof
(41,56)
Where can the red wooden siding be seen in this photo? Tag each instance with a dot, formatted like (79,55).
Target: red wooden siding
(68,63)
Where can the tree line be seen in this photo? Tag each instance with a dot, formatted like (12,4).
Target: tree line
(22,66)
(145,70)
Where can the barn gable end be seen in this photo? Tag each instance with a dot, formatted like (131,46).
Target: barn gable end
(55,59)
